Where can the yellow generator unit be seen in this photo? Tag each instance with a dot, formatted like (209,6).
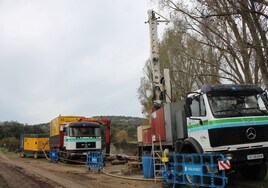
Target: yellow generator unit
(34,144)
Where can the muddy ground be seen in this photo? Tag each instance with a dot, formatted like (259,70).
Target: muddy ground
(29,172)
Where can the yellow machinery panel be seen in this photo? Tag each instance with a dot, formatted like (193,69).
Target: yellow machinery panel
(56,123)
(35,142)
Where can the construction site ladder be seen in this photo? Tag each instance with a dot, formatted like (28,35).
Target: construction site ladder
(159,167)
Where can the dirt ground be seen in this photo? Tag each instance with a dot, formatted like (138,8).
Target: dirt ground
(29,172)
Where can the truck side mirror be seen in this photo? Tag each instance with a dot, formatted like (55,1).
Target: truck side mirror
(187,107)
(189,101)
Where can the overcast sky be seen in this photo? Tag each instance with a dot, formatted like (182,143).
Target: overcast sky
(71,57)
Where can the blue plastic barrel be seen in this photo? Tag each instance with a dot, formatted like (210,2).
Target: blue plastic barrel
(147,166)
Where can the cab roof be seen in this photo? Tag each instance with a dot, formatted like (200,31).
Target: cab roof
(84,124)
(231,88)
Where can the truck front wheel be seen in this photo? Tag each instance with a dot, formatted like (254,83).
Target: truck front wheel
(35,154)
(255,172)
(64,159)
(22,155)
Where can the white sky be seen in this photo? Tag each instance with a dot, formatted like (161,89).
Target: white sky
(71,57)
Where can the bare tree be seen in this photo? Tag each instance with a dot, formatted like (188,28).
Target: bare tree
(234,31)
(191,64)
(213,41)
(145,91)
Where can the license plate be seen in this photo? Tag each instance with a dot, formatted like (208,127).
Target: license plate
(255,156)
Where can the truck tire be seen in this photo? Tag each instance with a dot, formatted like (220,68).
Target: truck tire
(63,157)
(22,155)
(64,160)
(191,146)
(35,154)
(191,179)
(255,172)
(166,185)
(171,185)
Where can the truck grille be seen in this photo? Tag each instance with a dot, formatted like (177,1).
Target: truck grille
(86,145)
(237,135)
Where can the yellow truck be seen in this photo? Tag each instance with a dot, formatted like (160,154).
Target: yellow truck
(34,144)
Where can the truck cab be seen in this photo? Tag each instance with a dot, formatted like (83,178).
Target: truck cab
(233,120)
(81,137)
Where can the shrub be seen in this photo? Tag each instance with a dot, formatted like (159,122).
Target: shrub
(10,143)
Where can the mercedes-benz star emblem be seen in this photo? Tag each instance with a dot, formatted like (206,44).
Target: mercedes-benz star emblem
(251,133)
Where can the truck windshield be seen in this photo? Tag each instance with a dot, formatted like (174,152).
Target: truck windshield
(237,104)
(85,131)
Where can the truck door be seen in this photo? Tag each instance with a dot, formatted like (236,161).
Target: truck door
(196,122)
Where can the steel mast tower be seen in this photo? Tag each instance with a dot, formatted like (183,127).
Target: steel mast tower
(161,85)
